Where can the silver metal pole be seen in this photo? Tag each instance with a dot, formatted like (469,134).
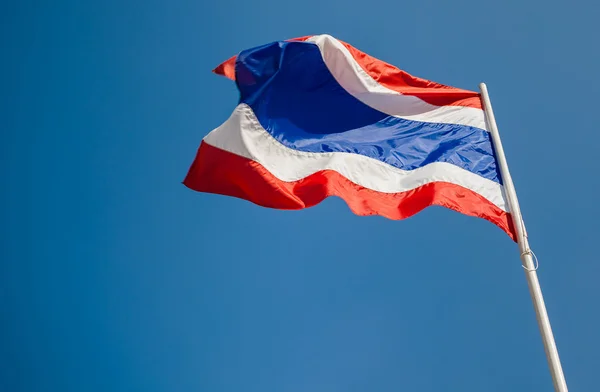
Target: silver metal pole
(558,377)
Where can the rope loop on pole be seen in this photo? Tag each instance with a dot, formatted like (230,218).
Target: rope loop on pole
(537,263)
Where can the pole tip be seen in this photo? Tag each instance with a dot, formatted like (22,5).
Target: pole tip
(482,86)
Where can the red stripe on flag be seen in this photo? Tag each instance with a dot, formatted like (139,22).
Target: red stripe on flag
(398,80)
(221,172)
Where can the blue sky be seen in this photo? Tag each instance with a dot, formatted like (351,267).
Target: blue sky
(115,277)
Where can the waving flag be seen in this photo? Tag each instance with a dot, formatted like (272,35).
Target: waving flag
(319,118)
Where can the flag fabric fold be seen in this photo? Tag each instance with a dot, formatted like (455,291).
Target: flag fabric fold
(318,118)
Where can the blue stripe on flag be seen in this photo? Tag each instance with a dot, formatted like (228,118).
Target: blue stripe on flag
(299,102)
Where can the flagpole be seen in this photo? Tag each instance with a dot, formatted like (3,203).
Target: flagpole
(558,377)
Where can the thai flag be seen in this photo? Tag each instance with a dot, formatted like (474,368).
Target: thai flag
(319,118)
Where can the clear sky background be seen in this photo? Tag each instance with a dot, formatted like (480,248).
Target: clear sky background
(115,277)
